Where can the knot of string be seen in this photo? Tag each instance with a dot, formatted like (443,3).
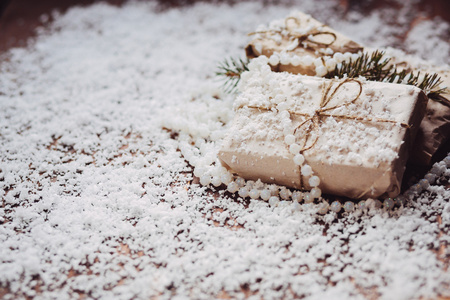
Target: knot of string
(304,39)
(313,122)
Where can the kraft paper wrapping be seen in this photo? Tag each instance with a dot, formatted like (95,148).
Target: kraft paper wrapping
(359,150)
(278,38)
(315,39)
(434,129)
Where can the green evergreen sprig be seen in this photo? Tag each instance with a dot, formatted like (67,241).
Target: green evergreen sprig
(375,67)
(230,70)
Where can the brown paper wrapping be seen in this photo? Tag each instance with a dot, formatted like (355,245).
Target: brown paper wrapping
(255,149)
(279,37)
(434,129)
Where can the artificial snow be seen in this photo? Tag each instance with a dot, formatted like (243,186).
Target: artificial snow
(99,201)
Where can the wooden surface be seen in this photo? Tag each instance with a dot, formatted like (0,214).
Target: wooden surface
(19,18)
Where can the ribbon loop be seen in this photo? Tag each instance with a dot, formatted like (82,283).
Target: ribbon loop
(315,120)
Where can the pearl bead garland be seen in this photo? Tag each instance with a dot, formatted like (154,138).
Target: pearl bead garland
(232,187)
(314,181)
(400,201)
(349,206)
(243,192)
(299,159)
(296,61)
(210,172)
(205,180)
(216,181)
(240,182)
(306,170)
(274,60)
(388,203)
(273,201)
(430,177)
(316,193)
(377,204)
(322,65)
(297,196)
(289,139)
(294,148)
(199,172)
(336,206)
(323,208)
(226,178)
(265,194)
(217,176)
(254,194)
(362,205)
(424,184)
(308,198)
(284,193)
(321,71)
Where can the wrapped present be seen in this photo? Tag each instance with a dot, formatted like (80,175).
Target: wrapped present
(301,45)
(293,130)
(434,129)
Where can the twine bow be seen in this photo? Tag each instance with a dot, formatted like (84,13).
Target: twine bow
(306,40)
(314,121)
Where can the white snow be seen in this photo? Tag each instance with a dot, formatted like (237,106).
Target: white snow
(97,199)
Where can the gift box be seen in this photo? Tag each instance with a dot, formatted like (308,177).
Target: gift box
(352,134)
(435,127)
(433,133)
(300,44)
(313,56)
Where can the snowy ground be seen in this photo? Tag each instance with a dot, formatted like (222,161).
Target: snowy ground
(98,201)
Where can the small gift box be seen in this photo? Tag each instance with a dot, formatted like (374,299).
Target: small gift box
(352,136)
(300,44)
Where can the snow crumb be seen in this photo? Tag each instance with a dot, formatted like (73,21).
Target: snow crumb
(99,118)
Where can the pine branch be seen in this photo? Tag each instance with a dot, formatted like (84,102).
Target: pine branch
(230,70)
(375,68)
(371,66)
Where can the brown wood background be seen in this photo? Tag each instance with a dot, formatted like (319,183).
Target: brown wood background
(19,18)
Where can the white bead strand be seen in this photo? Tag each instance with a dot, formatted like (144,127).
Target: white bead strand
(299,159)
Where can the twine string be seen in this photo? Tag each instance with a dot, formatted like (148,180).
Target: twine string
(314,121)
(306,39)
